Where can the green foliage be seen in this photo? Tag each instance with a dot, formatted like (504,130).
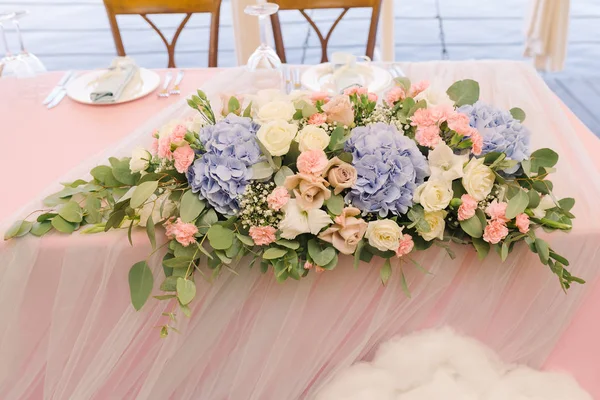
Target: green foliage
(220,238)
(41,228)
(335,204)
(206,221)
(517,114)
(273,253)
(517,204)
(71,212)
(62,225)
(283,173)
(472,226)
(140,284)
(543,250)
(186,290)
(290,244)
(482,247)
(190,207)
(321,255)
(142,193)
(336,142)
(386,271)
(545,158)
(464,92)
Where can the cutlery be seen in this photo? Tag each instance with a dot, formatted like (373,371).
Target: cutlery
(287,77)
(60,95)
(295,79)
(60,86)
(178,80)
(165,92)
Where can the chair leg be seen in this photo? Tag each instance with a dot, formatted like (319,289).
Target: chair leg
(278,37)
(373,29)
(213,47)
(114,27)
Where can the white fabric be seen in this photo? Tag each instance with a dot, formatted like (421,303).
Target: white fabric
(440,364)
(547,32)
(69,332)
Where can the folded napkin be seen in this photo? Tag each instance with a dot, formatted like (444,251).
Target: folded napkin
(114,81)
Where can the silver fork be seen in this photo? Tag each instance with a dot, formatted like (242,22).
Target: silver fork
(178,80)
(295,78)
(165,89)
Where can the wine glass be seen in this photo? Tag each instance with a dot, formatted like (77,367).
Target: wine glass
(10,64)
(32,61)
(264,57)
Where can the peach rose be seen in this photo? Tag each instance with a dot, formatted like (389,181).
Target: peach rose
(317,119)
(495,231)
(310,190)
(405,245)
(181,231)
(522,222)
(346,231)
(262,235)
(339,109)
(340,174)
(184,157)
(278,198)
(312,162)
(467,208)
(497,211)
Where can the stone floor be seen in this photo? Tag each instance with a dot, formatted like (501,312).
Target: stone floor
(75,34)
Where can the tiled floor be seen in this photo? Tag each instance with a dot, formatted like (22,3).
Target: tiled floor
(75,34)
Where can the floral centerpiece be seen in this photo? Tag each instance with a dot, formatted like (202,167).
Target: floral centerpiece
(296,181)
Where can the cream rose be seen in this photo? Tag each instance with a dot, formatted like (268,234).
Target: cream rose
(140,160)
(275,110)
(277,136)
(434,195)
(478,179)
(437,224)
(384,234)
(312,137)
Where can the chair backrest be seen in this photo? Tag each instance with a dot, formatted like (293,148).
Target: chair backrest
(303,5)
(145,7)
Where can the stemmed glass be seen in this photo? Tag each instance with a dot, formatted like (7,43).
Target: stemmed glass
(264,57)
(21,65)
(32,61)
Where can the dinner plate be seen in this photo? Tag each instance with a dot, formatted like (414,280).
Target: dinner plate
(320,78)
(145,83)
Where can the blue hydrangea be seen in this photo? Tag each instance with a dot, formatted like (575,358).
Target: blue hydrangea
(389,167)
(221,174)
(500,132)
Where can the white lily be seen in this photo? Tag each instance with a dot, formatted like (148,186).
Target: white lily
(445,164)
(298,221)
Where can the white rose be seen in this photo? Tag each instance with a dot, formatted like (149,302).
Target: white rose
(277,136)
(478,179)
(297,221)
(546,202)
(434,195)
(312,137)
(384,234)
(153,207)
(140,160)
(445,164)
(437,224)
(275,110)
(434,98)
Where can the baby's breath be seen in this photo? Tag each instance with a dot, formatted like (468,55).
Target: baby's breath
(254,209)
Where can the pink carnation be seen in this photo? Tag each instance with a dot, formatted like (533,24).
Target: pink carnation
(372,97)
(459,123)
(181,231)
(497,211)
(522,222)
(317,119)
(428,136)
(417,88)
(262,235)
(355,90)
(495,231)
(394,95)
(312,162)
(178,134)
(477,140)
(154,146)
(424,117)
(467,208)
(278,198)
(319,96)
(184,157)
(405,245)
(164,148)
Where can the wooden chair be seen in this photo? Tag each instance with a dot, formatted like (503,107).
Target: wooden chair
(145,7)
(302,5)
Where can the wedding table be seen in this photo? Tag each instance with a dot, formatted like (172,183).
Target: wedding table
(68,330)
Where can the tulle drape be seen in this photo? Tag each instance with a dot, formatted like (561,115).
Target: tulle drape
(67,329)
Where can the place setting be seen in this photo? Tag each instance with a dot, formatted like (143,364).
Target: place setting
(358,227)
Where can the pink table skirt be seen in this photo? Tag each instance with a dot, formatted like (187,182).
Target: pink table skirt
(73,333)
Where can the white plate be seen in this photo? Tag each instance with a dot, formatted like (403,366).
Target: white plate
(319,78)
(80,88)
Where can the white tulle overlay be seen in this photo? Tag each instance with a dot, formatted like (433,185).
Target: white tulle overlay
(68,331)
(439,364)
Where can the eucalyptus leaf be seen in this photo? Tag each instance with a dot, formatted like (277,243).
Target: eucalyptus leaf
(543,250)
(464,92)
(169,284)
(290,244)
(403,82)
(41,228)
(92,207)
(206,221)
(504,251)
(61,225)
(186,290)
(337,139)
(262,170)
(517,204)
(273,253)
(404,284)
(566,204)
(386,271)
(482,247)
(472,227)
(140,284)
(283,173)
(247,240)
(71,212)
(534,198)
(191,206)
(220,238)
(142,193)
(13,230)
(335,204)
(357,253)
(178,262)
(517,114)
(321,256)
(122,172)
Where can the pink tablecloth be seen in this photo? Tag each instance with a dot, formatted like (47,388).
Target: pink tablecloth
(38,146)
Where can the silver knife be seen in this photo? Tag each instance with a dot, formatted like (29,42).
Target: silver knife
(58,98)
(61,84)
